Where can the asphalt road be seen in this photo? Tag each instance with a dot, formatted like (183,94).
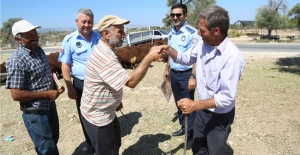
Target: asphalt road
(257,47)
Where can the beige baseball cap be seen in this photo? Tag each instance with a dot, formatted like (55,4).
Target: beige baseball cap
(110,20)
(22,26)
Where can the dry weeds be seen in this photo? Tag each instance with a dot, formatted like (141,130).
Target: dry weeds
(267,118)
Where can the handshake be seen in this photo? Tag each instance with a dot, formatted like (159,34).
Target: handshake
(159,52)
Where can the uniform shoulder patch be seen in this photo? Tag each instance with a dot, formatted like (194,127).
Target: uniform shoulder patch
(194,40)
(189,29)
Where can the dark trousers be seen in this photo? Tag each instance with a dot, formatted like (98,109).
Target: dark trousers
(106,139)
(78,85)
(43,129)
(179,84)
(211,132)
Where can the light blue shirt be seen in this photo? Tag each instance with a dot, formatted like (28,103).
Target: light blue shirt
(218,71)
(76,50)
(181,41)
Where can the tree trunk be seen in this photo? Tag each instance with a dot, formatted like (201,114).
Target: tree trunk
(269,32)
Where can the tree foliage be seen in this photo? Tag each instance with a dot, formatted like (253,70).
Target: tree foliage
(269,19)
(6,34)
(194,7)
(268,16)
(294,14)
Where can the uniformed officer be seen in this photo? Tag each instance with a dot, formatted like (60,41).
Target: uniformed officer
(182,37)
(74,53)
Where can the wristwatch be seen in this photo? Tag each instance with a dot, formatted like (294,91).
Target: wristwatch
(193,75)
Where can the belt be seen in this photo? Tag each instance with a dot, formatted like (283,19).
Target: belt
(28,108)
(210,112)
(176,71)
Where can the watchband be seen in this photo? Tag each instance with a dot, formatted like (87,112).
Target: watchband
(193,75)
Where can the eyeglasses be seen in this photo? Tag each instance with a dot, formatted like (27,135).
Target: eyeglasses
(176,14)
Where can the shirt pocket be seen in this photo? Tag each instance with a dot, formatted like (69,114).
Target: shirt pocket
(212,80)
(183,45)
(81,53)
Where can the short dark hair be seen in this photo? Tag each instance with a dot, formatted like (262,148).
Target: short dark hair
(179,5)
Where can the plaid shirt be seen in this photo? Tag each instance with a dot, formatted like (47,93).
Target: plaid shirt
(30,71)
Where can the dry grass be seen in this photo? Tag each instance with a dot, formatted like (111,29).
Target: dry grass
(267,115)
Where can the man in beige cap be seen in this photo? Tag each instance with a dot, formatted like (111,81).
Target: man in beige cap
(103,82)
(31,83)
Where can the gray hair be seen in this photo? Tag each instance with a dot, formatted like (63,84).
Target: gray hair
(18,36)
(216,16)
(85,11)
(108,29)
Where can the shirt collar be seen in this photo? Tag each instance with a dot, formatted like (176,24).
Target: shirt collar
(28,51)
(94,34)
(180,30)
(106,48)
(213,50)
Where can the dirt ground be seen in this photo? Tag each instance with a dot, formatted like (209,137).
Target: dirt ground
(260,127)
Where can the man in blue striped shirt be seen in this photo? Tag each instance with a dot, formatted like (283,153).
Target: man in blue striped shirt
(30,80)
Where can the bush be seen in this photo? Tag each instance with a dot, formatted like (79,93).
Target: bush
(233,33)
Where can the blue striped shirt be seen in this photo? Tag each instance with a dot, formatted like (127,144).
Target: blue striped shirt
(30,71)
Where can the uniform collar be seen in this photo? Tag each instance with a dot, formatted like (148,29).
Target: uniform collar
(180,30)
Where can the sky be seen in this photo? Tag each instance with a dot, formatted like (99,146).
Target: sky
(141,13)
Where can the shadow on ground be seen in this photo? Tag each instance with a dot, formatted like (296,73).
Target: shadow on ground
(127,122)
(289,64)
(147,143)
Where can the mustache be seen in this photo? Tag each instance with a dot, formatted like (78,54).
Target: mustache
(33,41)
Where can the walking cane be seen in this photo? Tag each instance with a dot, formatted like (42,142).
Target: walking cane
(185,133)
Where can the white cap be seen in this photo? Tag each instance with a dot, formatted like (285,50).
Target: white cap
(22,26)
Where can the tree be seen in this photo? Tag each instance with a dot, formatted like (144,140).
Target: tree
(194,6)
(269,19)
(277,5)
(194,10)
(6,34)
(294,15)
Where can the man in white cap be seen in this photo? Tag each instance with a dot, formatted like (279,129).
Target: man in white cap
(30,80)
(103,82)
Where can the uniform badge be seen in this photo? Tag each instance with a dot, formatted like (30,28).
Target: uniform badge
(61,50)
(194,40)
(183,38)
(78,44)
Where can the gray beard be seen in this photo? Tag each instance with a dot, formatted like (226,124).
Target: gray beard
(114,41)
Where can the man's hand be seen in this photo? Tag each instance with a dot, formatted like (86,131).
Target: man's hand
(166,75)
(120,107)
(72,93)
(52,94)
(186,105)
(156,54)
(192,83)
(61,90)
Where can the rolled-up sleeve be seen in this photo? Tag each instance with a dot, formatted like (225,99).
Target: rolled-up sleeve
(228,82)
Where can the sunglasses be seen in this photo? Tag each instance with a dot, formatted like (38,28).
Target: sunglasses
(176,14)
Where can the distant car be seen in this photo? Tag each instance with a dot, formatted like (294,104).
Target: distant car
(159,34)
(270,37)
(291,37)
